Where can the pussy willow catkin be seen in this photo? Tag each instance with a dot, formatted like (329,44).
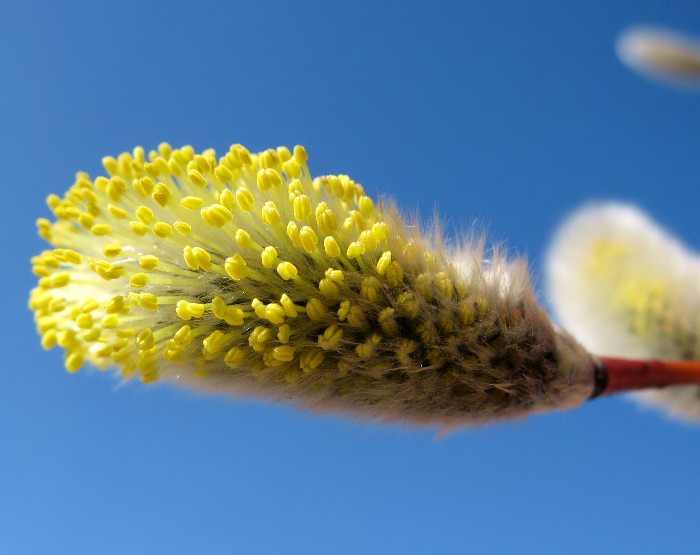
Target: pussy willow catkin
(626,287)
(661,53)
(243,274)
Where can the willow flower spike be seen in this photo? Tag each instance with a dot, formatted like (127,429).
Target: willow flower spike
(626,287)
(242,274)
(662,54)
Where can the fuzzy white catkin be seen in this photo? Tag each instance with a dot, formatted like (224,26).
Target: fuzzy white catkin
(625,287)
(661,54)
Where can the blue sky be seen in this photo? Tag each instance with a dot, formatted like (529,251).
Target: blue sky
(509,114)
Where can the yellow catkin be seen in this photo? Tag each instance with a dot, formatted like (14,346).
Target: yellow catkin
(242,269)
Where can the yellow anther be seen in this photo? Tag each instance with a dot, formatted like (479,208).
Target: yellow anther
(216,215)
(308,239)
(270,214)
(138,228)
(383,263)
(259,308)
(243,239)
(110,321)
(284,332)
(380,231)
(59,279)
(316,309)
(290,309)
(165,150)
(213,343)
(356,317)
(295,188)
(161,193)
(203,258)
(197,178)
(145,214)
(331,336)
(234,357)
(223,174)
(100,229)
(183,228)
(366,206)
(138,280)
(110,164)
(355,249)
(287,270)
(148,261)
(335,275)
(66,338)
(72,256)
(331,247)
(387,321)
(343,310)
(235,267)
(52,201)
(117,212)
(291,169)
(274,313)
(405,349)
(84,321)
(57,305)
(86,220)
(162,229)
(145,340)
(74,361)
(328,288)
(394,273)
(218,307)
(227,199)
(48,339)
(148,301)
(191,203)
(91,335)
(325,218)
(183,336)
(357,220)
(89,305)
(244,199)
(112,250)
(369,288)
(115,305)
(186,310)
(196,258)
(115,188)
(311,359)
(258,337)
(366,349)
(300,155)
(233,316)
(284,353)
(293,234)
(283,153)
(368,240)
(263,179)
(268,256)
(302,207)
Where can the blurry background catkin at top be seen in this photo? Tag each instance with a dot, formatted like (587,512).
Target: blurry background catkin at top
(512,114)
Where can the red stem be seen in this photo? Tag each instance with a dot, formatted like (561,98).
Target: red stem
(629,375)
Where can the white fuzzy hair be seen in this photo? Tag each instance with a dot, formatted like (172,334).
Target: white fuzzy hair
(641,258)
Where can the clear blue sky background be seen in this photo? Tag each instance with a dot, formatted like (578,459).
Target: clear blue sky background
(510,113)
